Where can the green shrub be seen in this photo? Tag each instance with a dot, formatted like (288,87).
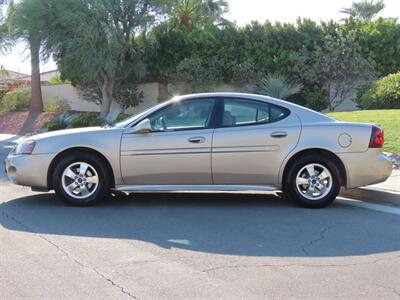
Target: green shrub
(164,97)
(55,124)
(361,90)
(122,116)
(56,79)
(86,120)
(316,99)
(2,91)
(56,105)
(18,99)
(128,95)
(383,94)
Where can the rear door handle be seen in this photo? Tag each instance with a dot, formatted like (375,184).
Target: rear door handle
(278,134)
(197,139)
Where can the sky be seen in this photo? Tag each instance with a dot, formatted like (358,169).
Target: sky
(242,12)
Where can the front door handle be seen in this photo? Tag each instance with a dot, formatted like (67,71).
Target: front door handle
(197,139)
(278,134)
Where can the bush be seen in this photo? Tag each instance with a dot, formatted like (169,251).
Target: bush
(361,90)
(86,120)
(316,99)
(128,95)
(55,124)
(56,79)
(56,105)
(2,91)
(164,97)
(383,94)
(245,74)
(122,116)
(200,75)
(18,99)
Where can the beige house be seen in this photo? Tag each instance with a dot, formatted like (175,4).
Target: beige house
(46,76)
(12,75)
(10,80)
(8,75)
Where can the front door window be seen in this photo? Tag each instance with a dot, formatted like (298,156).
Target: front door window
(183,116)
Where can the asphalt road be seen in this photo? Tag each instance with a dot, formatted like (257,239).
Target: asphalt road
(194,246)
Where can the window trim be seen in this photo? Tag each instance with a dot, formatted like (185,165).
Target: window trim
(221,111)
(211,124)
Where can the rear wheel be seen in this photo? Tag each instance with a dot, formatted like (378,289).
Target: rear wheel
(312,181)
(81,179)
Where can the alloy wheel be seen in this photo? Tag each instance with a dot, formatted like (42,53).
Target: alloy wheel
(314,181)
(80,180)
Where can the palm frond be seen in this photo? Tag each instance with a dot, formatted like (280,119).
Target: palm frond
(365,10)
(278,86)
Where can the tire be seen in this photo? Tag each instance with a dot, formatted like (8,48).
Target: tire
(316,190)
(80,179)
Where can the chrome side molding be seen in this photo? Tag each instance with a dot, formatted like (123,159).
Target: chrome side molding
(195,188)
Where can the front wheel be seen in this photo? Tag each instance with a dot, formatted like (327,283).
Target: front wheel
(80,179)
(312,181)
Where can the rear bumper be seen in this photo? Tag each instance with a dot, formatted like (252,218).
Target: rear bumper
(366,168)
(28,170)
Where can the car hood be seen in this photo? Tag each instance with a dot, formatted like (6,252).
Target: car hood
(65,132)
(95,138)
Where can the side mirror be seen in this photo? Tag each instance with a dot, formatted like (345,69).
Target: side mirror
(143,127)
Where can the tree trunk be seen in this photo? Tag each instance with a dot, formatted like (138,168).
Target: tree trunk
(107,93)
(36,92)
(331,108)
(330,100)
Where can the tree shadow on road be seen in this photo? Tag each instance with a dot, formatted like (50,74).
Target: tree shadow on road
(233,224)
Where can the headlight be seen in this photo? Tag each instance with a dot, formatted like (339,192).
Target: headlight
(25,147)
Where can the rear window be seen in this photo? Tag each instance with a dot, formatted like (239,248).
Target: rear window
(241,112)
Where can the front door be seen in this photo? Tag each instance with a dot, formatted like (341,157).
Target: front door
(178,149)
(253,140)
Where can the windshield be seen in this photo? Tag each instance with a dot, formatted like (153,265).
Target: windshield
(131,119)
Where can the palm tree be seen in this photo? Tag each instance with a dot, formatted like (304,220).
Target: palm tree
(27,23)
(3,29)
(364,10)
(277,86)
(192,13)
(4,39)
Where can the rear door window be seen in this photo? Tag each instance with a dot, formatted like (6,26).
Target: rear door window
(242,112)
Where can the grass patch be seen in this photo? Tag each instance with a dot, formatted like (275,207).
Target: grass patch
(388,119)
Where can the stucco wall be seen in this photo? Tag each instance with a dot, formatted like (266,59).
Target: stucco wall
(70,94)
(347,105)
(151,93)
(46,76)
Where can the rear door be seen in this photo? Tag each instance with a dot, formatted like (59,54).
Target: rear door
(252,140)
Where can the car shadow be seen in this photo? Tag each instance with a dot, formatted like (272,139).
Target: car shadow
(233,224)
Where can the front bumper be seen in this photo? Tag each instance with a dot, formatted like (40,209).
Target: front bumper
(28,169)
(366,168)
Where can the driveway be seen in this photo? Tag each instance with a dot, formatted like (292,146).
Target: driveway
(196,246)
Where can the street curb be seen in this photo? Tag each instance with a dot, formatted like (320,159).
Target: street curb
(374,195)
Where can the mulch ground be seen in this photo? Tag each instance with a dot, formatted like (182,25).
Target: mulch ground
(23,122)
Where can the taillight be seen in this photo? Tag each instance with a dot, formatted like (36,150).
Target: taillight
(377,137)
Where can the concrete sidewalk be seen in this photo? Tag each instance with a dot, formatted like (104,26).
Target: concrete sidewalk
(387,192)
(390,185)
